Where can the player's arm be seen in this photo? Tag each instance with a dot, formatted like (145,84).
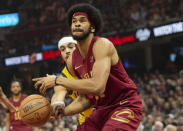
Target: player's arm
(80,104)
(3,105)
(5,102)
(101,69)
(59,94)
(7,121)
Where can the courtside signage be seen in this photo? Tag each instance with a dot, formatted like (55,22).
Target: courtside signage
(17,60)
(23,59)
(143,34)
(168,29)
(7,20)
(118,40)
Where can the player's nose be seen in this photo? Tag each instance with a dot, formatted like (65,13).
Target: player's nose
(78,24)
(67,51)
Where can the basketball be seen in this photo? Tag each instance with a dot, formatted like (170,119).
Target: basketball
(35,110)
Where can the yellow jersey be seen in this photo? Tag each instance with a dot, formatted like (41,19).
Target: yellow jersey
(83,115)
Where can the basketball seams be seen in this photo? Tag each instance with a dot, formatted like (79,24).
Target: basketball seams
(31,100)
(35,110)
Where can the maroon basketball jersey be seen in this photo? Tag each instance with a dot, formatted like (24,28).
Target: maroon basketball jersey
(119,87)
(16,123)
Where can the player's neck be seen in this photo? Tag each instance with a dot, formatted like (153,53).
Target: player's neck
(83,45)
(17,97)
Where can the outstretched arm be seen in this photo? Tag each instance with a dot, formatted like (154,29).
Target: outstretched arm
(5,102)
(59,94)
(81,103)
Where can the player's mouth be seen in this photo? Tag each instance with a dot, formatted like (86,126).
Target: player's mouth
(67,56)
(77,30)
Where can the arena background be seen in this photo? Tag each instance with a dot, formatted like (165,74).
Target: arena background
(147,34)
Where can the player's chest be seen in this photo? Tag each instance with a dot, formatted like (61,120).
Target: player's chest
(84,67)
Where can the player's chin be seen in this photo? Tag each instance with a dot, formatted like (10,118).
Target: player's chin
(77,34)
(16,93)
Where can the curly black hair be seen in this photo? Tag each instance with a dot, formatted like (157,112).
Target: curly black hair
(93,14)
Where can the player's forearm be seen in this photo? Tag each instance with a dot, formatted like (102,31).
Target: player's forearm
(59,94)
(84,86)
(9,105)
(2,103)
(80,104)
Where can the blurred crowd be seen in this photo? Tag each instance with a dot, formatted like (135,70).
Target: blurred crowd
(122,15)
(48,17)
(162,97)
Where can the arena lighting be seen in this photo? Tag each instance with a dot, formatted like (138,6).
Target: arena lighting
(168,29)
(7,20)
(116,40)
(143,34)
(17,60)
(50,54)
(48,47)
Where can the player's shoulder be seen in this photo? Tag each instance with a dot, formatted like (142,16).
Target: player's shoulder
(103,40)
(104,44)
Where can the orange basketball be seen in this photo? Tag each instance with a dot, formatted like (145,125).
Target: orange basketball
(35,110)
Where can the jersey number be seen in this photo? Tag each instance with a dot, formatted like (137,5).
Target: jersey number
(17,114)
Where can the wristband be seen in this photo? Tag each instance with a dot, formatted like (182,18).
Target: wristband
(56,80)
(59,102)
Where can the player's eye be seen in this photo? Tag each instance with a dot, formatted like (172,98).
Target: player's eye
(62,49)
(83,19)
(70,47)
(74,21)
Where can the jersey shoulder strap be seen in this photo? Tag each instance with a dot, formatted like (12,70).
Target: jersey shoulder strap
(65,72)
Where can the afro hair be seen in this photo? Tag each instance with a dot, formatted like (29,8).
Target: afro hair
(93,14)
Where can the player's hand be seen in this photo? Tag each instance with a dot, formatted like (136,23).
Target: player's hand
(58,109)
(44,83)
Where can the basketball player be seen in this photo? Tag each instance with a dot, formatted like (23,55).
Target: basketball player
(67,45)
(13,119)
(101,76)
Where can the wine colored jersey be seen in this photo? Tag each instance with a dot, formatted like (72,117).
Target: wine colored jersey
(119,88)
(15,120)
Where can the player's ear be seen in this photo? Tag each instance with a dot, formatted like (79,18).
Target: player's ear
(92,29)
